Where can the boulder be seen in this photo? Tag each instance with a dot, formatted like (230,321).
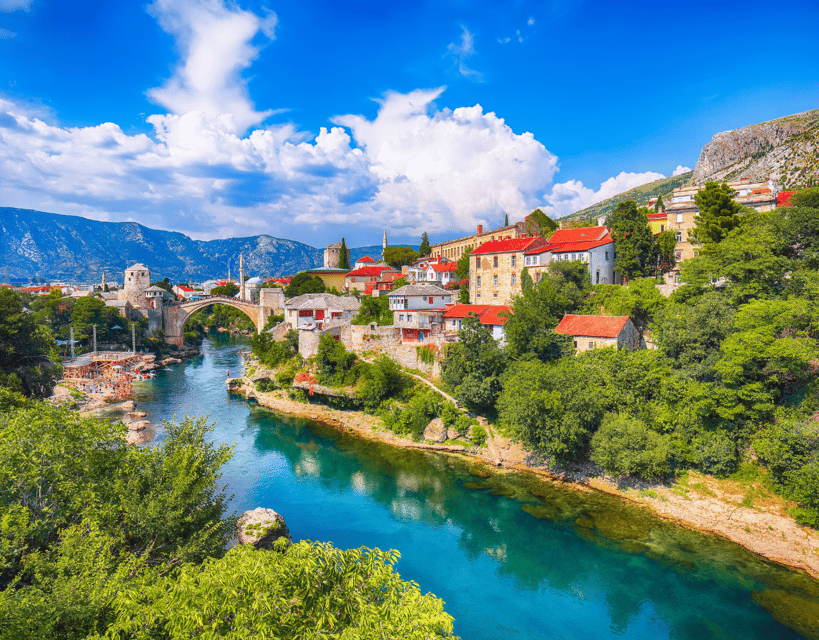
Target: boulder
(452,434)
(261,528)
(435,431)
(137,414)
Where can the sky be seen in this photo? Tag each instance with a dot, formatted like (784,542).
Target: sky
(313,120)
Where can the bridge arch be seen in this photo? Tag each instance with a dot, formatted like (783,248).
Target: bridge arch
(176,317)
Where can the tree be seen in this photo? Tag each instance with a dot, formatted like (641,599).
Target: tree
(302,283)
(228,290)
(626,446)
(526,281)
(374,310)
(633,240)
(399,256)
(462,270)
(539,224)
(463,294)
(640,300)
(163,284)
(659,204)
(334,362)
(343,259)
(506,220)
(28,360)
(666,254)
(424,249)
(717,215)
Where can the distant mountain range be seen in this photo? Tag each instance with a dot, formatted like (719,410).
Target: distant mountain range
(52,247)
(784,150)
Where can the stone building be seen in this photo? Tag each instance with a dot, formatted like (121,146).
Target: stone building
(137,280)
(593,246)
(454,249)
(332,256)
(418,310)
(594,332)
(495,268)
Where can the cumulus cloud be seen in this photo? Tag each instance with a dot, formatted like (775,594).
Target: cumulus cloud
(681,169)
(413,167)
(14,5)
(5,34)
(215,42)
(530,21)
(569,197)
(462,50)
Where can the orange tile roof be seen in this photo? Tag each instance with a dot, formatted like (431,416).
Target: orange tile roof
(493,315)
(581,239)
(441,268)
(369,271)
(365,259)
(783,197)
(592,326)
(507,245)
(487,313)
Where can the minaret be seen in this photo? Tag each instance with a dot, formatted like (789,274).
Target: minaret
(104,284)
(241,276)
(384,245)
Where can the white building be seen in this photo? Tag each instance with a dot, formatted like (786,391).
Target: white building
(314,309)
(590,245)
(418,310)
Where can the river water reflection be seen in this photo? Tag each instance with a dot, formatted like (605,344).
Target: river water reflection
(512,556)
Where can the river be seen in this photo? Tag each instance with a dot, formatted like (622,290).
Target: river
(512,556)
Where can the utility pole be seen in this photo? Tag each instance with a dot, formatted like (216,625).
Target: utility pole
(95,338)
(71,340)
(133,337)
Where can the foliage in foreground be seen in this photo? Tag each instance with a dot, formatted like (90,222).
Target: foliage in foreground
(311,591)
(102,540)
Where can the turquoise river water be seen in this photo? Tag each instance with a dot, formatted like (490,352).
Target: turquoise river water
(512,556)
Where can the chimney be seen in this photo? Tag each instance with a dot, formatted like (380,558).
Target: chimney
(480,228)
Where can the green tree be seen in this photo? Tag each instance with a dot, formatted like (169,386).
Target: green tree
(397,257)
(666,255)
(374,309)
(717,215)
(462,271)
(302,283)
(539,224)
(87,312)
(380,381)
(343,260)
(640,300)
(633,240)
(424,249)
(627,447)
(463,293)
(164,284)
(659,204)
(334,362)
(309,590)
(526,281)
(506,220)
(229,290)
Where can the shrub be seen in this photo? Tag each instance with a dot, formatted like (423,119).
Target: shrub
(478,434)
(334,362)
(412,419)
(264,385)
(626,446)
(380,381)
(287,374)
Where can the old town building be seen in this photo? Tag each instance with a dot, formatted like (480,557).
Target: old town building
(594,332)
(495,268)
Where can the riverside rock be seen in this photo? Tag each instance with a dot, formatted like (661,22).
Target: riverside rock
(262,527)
(452,434)
(435,431)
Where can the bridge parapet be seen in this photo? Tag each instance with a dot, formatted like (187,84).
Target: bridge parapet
(176,317)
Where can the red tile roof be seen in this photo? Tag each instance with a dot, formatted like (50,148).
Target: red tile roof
(508,245)
(487,313)
(441,268)
(783,197)
(369,271)
(582,239)
(657,216)
(184,288)
(365,259)
(592,326)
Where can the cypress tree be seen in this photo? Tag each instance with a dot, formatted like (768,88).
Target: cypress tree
(343,260)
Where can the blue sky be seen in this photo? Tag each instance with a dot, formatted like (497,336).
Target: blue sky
(316,119)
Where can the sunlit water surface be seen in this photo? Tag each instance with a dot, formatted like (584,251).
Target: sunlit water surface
(512,556)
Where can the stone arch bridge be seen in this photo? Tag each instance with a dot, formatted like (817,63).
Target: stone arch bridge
(176,317)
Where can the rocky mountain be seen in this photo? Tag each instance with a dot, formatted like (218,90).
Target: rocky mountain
(58,247)
(786,150)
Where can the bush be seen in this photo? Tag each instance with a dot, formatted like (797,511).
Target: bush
(411,420)
(287,374)
(264,386)
(380,381)
(626,446)
(478,434)
(715,453)
(335,363)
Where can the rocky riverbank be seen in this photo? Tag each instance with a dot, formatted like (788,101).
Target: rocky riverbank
(698,502)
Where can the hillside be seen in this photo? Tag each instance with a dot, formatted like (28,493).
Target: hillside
(641,195)
(786,150)
(57,247)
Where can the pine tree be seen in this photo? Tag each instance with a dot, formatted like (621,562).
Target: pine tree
(343,260)
(425,249)
(506,220)
(717,215)
(660,204)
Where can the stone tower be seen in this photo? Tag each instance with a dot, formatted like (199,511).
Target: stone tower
(332,256)
(241,276)
(137,279)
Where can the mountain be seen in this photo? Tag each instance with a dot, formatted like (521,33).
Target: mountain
(58,247)
(785,150)
(641,195)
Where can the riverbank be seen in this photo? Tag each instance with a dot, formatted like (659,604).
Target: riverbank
(698,502)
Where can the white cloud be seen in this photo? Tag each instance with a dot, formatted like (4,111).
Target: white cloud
(5,34)
(520,37)
(214,40)
(462,50)
(504,40)
(530,21)
(412,168)
(680,170)
(569,197)
(14,5)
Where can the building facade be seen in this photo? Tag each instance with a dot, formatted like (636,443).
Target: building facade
(592,246)
(595,332)
(495,268)
(418,310)
(454,249)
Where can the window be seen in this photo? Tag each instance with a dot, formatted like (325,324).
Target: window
(495,295)
(495,281)
(679,236)
(431,299)
(514,279)
(572,257)
(514,261)
(679,218)
(409,317)
(478,283)
(495,261)
(478,262)
(591,344)
(575,344)
(478,295)
(662,228)
(607,255)
(598,277)
(401,318)
(678,255)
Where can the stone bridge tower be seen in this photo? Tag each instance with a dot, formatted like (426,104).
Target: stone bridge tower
(137,279)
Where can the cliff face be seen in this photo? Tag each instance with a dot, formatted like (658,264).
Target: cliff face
(786,150)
